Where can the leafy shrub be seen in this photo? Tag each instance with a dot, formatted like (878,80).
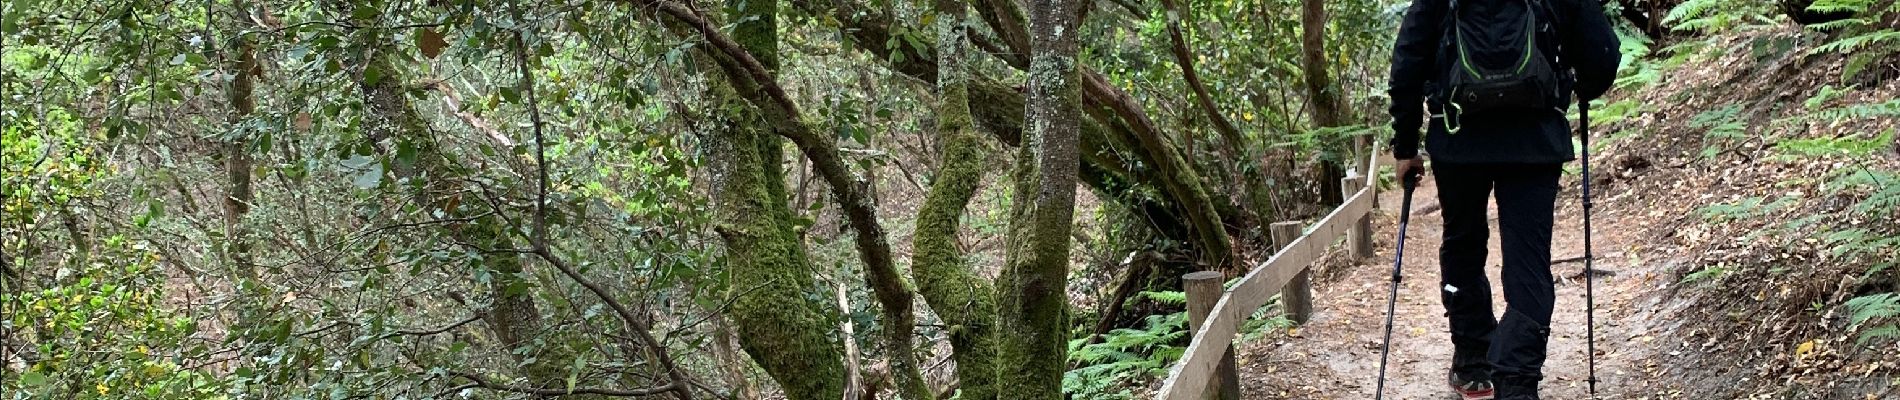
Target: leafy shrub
(102,332)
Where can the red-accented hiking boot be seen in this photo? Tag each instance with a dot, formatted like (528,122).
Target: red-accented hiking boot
(1473,386)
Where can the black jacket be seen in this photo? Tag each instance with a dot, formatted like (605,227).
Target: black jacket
(1585,44)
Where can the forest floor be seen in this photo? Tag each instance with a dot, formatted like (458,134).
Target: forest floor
(1336,355)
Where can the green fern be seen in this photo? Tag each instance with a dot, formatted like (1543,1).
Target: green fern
(1890,108)
(1850,44)
(1826,94)
(1838,6)
(1722,124)
(1707,274)
(1126,358)
(1709,15)
(1884,199)
(1750,207)
(1874,307)
(1831,26)
(1849,146)
(1690,10)
(1163,297)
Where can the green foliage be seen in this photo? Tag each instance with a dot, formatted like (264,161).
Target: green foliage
(104,332)
(1851,145)
(1881,40)
(1163,297)
(1751,207)
(1264,322)
(1872,309)
(1706,274)
(1822,97)
(1330,143)
(1861,38)
(1837,6)
(1882,199)
(1714,15)
(1124,358)
(1890,108)
(1723,124)
(1606,114)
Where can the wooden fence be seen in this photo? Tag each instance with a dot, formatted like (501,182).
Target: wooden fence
(1215,315)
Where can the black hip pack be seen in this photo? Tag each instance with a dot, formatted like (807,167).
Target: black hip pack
(1490,59)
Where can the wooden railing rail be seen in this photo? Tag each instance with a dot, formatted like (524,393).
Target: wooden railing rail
(1202,366)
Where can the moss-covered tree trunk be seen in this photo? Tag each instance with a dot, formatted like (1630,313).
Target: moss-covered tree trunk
(783,322)
(962,299)
(1033,306)
(756,31)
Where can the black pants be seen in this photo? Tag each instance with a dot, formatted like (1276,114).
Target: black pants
(1526,194)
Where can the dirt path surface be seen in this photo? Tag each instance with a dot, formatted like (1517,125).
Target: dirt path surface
(1336,356)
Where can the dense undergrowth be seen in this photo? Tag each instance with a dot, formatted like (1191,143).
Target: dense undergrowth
(1764,156)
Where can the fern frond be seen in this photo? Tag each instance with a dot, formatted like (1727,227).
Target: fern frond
(1849,146)
(1890,108)
(1860,61)
(1857,42)
(1882,203)
(1831,26)
(1690,9)
(1872,307)
(1879,332)
(1836,6)
(1821,97)
(1163,297)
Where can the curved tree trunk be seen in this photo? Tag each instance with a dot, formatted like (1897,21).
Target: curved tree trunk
(1179,214)
(961,298)
(1033,304)
(781,322)
(757,34)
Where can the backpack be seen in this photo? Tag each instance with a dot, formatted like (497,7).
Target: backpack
(1491,58)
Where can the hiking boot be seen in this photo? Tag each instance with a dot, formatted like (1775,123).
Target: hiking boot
(1472,386)
(1516,388)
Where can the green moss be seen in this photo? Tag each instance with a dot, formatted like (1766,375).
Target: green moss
(961,298)
(782,321)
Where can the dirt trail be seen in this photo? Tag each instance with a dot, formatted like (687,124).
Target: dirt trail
(1336,356)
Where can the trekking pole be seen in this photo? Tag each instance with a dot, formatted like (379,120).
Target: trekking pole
(1410,182)
(1589,259)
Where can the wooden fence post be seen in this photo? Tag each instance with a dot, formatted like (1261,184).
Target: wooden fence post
(1372,175)
(1297,296)
(1359,237)
(1204,289)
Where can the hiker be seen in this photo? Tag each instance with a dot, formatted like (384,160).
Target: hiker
(1497,76)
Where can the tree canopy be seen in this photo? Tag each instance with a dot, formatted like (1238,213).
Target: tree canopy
(818,199)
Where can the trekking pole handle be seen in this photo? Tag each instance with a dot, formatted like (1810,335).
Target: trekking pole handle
(1411,178)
